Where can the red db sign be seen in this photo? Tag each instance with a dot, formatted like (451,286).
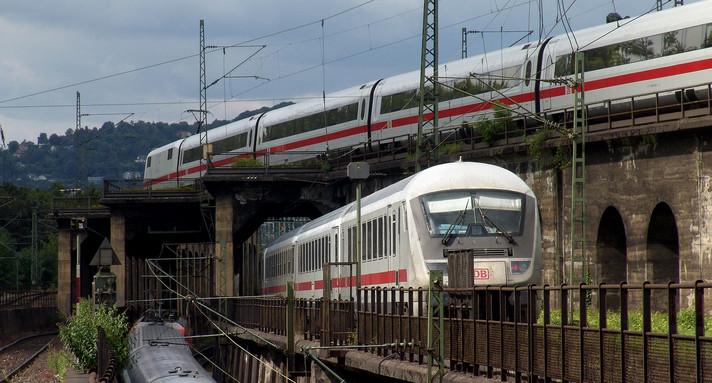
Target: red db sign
(481,274)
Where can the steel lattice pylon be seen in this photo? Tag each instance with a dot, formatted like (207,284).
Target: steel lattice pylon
(429,87)
(578,261)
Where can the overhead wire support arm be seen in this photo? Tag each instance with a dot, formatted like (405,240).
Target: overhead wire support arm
(227,74)
(466,32)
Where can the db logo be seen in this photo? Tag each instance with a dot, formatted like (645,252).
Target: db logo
(482,274)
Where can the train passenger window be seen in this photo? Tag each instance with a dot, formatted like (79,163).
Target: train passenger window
(348,253)
(387,235)
(394,233)
(381,237)
(399,101)
(148,162)
(193,154)
(673,43)
(707,38)
(368,239)
(170,153)
(352,254)
(363,108)
(322,254)
(310,257)
(336,247)
(374,239)
(509,74)
(528,73)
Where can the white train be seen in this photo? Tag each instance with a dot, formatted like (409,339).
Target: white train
(410,227)
(665,53)
(160,352)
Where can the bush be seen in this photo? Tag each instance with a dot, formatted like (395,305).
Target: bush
(490,127)
(79,334)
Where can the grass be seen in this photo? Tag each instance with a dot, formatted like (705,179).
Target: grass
(58,362)
(659,321)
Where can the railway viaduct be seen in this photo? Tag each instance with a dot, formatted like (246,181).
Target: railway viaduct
(648,206)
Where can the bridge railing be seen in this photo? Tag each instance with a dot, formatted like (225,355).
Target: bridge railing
(621,331)
(76,203)
(145,187)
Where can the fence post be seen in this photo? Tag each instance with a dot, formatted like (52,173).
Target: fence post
(436,344)
(290,326)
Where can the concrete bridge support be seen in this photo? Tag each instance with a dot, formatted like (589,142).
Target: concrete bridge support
(649,208)
(224,263)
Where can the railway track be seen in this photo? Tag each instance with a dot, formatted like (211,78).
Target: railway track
(19,354)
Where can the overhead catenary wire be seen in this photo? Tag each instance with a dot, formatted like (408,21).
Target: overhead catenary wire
(200,306)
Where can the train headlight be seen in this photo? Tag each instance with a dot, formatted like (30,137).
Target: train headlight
(520,267)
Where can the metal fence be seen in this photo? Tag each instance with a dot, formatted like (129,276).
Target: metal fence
(106,358)
(625,332)
(11,300)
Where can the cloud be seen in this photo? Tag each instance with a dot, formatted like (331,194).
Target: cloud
(58,44)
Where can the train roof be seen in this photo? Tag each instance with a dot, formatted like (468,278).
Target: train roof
(444,177)
(627,29)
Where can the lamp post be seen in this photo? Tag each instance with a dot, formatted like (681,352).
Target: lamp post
(358,171)
(79,224)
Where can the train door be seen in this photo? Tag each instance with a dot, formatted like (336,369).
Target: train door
(396,258)
(364,114)
(337,272)
(547,74)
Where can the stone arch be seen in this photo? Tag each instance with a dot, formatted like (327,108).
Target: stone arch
(611,248)
(663,246)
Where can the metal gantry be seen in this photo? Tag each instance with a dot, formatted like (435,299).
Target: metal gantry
(80,149)
(578,262)
(677,2)
(429,86)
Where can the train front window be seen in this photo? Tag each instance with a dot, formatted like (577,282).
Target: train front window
(474,213)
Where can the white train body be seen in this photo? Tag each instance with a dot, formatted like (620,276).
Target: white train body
(667,52)
(159,352)
(403,234)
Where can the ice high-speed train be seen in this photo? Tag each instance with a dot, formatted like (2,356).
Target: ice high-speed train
(668,53)
(410,227)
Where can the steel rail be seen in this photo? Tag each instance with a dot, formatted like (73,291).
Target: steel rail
(7,377)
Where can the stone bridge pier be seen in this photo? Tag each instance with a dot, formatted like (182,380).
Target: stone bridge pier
(648,204)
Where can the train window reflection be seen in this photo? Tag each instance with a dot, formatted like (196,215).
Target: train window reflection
(473,213)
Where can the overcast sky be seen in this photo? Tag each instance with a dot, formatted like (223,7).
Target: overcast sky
(142,57)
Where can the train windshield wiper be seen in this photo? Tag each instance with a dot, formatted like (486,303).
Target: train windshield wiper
(486,219)
(458,220)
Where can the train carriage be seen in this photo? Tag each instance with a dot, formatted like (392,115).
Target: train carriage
(658,59)
(292,134)
(410,227)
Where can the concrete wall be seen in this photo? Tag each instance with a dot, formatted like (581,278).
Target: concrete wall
(27,319)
